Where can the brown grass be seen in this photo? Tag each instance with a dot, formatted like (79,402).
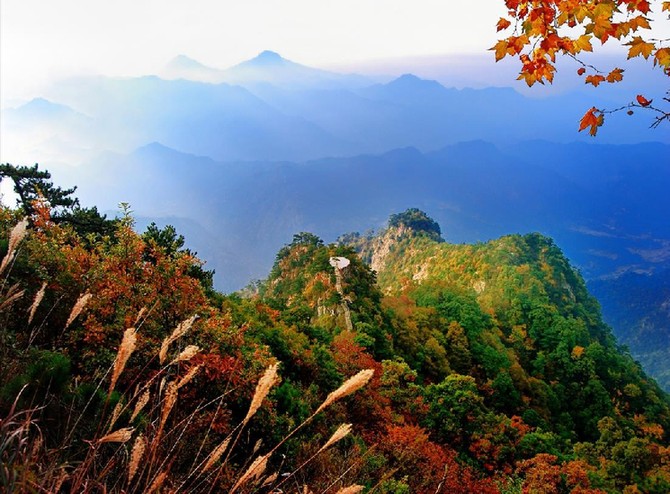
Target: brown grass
(216,454)
(78,307)
(118,436)
(181,329)
(193,371)
(253,472)
(18,233)
(125,350)
(350,386)
(140,404)
(263,387)
(341,432)
(187,354)
(36,302)
(136,456)
(352,489)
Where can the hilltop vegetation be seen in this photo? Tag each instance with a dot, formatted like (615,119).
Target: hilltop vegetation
(489,367)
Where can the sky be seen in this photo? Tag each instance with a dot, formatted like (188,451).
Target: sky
(41,39)
(45,40)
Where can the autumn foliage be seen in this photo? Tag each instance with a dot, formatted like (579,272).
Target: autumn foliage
(124,371)
(542,30)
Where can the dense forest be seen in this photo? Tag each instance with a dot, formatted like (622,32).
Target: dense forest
(414,366)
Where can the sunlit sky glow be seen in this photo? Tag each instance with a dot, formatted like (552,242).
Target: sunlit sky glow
(42,40)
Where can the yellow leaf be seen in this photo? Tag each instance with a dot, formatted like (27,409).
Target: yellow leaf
(501,49)
(662,57)
(583,43)
(638,47)
(639,22)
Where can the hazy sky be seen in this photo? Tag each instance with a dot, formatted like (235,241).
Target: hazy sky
(42,39)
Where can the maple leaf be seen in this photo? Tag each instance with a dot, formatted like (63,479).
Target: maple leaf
(639,22)
(666,6)
(581,70)
(501,49)
(662,57)
(590,119)
(644,102)
(638,47)
(643,6)
(583,43)
(615,76)
(503,24)
(594,79)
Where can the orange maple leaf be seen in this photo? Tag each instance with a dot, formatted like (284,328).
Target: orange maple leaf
(590,119)
(594,79)
(615,76)
(638,47)
(503,24)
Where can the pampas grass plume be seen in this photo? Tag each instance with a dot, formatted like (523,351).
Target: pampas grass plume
(216,454)
(118,436)
(350,386)
(125,350)
(263,387)
(352,489)
(141,402)
(253,472)
(37,301)
(78,308)
(187,354)
(341,432)
(178,332)
(136,456)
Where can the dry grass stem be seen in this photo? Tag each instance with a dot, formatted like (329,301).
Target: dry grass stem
(141,403)
(78,308)
(178,332)
(216,454)
(263,387)
(341,432)
(136,456)
(157,483)
(119,436)
(187,354)
(37,301)
(125,350)
(12,296)
(350,386)
(193,371)
(253,472)
(352,489)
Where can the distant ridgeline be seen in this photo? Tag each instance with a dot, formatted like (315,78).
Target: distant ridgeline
(480,368)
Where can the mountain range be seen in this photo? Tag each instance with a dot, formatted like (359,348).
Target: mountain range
(239,159)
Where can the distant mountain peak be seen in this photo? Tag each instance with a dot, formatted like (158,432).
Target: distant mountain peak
(184,61)
(411,80)
(269,56)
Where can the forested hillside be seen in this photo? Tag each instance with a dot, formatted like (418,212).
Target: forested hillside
(454,368)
